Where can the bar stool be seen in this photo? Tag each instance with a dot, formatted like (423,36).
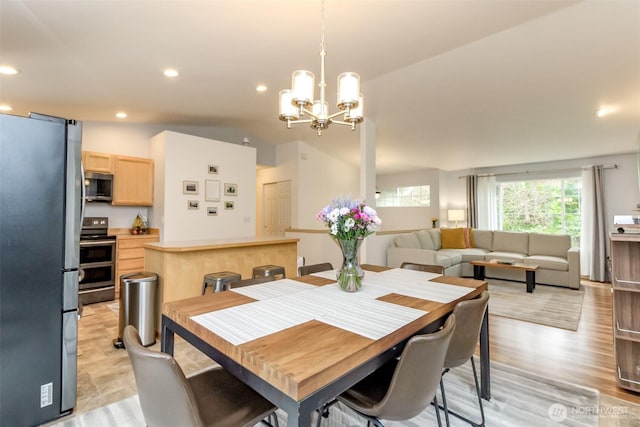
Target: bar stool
(268,270)
(219,281)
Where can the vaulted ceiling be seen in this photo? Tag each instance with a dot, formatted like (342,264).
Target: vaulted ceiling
(448,84)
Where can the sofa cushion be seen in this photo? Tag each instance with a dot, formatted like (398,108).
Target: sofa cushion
(548,244)
(449,259)
(482,239)
(508,241)
(452,238)
(548,262)
(435,237)
(424,237)
(468,254)
(409,240)
(474,254)
(508,256)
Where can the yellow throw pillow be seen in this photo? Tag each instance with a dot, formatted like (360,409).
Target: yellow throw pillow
(452,238)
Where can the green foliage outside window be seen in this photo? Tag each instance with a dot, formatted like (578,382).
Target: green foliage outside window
(544,206)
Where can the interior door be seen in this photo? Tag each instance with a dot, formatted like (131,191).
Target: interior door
(277,207)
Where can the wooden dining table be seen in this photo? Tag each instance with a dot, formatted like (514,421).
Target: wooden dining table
(301,342)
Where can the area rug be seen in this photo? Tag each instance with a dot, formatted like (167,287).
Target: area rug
(546,305)
(518,399)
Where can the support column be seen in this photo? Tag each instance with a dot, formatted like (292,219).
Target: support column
(367,170)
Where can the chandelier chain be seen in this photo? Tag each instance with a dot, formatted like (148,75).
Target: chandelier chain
(322,42)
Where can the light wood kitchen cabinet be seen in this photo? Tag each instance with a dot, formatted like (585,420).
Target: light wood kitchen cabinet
(130,255)
(625,282)
(132,181)
(97,162)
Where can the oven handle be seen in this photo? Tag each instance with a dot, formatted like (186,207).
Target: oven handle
(97,242)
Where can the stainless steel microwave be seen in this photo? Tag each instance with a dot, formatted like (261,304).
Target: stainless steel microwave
(98,187)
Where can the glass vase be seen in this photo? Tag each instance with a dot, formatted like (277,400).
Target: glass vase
(350,274)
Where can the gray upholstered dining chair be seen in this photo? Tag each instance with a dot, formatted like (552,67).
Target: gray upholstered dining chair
(429,268)
(404,386)
(303,270)
(212,398)
(469,315)
(248,282)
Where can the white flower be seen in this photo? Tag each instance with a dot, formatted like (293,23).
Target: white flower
(348,224)
(349,219)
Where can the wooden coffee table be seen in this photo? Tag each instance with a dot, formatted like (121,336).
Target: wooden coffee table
(530,270)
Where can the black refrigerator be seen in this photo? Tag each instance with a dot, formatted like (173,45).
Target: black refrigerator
(40,215)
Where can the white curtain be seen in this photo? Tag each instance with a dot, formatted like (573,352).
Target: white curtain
(593,239)
(487,203)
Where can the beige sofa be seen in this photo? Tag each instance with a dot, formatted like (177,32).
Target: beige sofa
(558,263)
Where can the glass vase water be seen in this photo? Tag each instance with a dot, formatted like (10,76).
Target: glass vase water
(350,274)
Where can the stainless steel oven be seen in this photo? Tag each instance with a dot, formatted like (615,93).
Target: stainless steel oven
(97,261)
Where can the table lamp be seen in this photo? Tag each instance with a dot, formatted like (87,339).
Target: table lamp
(455,215)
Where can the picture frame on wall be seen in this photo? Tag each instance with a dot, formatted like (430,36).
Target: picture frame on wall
(189,187)
(213,169)
(212,210)
(212,190)
(230,189)
(193,204)
(229,205)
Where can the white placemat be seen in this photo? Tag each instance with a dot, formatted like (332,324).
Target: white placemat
(418,284)
(248,322)
(286,303)
(273,289)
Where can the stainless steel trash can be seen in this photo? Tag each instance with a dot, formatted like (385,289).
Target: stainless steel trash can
(137,306)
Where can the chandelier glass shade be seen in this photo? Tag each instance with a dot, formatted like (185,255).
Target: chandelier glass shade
(299,101)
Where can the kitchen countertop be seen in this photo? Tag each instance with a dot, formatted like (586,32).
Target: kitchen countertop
(205,245)
(126,233)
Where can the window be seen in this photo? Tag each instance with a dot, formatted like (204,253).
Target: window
(415,196)
(543,206)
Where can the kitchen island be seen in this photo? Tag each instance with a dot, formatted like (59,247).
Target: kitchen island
(181,266)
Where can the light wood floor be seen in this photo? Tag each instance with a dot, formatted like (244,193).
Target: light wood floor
(584,357)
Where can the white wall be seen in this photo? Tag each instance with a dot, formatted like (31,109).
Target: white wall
(186,157)
(401,218)
(454,196)
(133,140)
(321,179)
(316,179)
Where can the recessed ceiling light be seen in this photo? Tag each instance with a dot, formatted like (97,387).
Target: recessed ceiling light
(170,72)
(6,108)
(261,88)
(5,69)
(606,110)
(121,115)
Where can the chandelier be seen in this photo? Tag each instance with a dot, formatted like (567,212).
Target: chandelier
(299,100)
